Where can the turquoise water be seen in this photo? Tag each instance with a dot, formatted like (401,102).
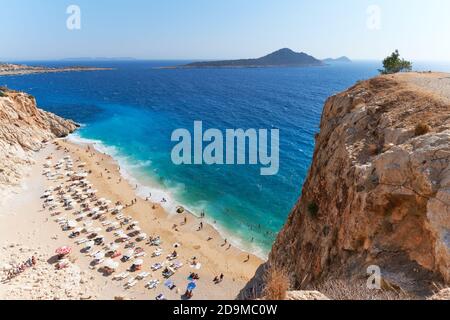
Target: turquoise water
(131,112)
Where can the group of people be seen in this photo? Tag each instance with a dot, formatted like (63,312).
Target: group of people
(218,279)
(17,270)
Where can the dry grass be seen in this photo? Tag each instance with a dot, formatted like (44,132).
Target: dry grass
(277,284)
(421,129)
(357,290)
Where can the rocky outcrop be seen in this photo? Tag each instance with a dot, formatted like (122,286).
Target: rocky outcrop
(23,130)
(378,190)
(305,295)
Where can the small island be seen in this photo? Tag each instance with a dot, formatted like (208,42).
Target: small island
(342,59)
(281,58)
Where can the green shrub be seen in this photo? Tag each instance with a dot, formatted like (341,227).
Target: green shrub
(393,64)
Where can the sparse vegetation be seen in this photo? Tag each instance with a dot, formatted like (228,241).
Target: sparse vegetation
(313,209)
(357,290)
(277,284)
(421,129)
(394,64)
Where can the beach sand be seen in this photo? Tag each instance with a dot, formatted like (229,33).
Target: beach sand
(27,229)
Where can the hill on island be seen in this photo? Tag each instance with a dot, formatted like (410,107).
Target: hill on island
(281,58)
(342,59)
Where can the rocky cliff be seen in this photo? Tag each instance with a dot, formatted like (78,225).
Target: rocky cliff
(378,190)
(23,130)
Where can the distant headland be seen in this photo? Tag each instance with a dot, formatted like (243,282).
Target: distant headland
(9,69)
(280,58)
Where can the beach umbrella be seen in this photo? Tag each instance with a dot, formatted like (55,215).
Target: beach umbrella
(191,286)
(89,244)
(113,247)
(63,250)
(129,253)
(138,262)
(118,208)
(120,233)
(72,224)
(99,255)
(88,223)
(111,264)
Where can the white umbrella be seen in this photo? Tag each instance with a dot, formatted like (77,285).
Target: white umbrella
(88,223)
(138,262)
(72,224)
(120,233)
(129,253)
(111,264)
(113,247)
(89,244)
(142,236)
(118,208)
(99,255)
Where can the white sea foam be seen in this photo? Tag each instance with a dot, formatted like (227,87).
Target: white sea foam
(129,169)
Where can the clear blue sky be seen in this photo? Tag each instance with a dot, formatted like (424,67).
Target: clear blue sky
(215,29)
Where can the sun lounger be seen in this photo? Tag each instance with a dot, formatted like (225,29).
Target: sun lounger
(81,241)
(156,266)
(170,284)
(157,253)
(121,276)
(131,283)
(140,255)
(161,297)
(176,265)
(152,284)
(142,275)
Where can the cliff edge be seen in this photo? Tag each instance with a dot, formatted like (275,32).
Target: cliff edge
(23,130)
(378,190)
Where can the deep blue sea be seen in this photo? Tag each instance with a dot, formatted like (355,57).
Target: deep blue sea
(130,112)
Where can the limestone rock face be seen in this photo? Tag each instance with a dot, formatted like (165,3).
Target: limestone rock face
(378,190)
(23,130)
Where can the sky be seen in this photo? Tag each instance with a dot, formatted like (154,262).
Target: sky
(225,29)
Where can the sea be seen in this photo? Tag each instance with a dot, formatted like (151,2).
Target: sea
(130,113)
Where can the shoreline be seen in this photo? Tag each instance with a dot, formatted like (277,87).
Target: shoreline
(22,70)
(172,204)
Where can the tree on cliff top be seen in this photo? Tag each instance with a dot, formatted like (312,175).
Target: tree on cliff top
(393,64)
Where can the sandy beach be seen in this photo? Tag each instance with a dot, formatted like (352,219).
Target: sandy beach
(28,229)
